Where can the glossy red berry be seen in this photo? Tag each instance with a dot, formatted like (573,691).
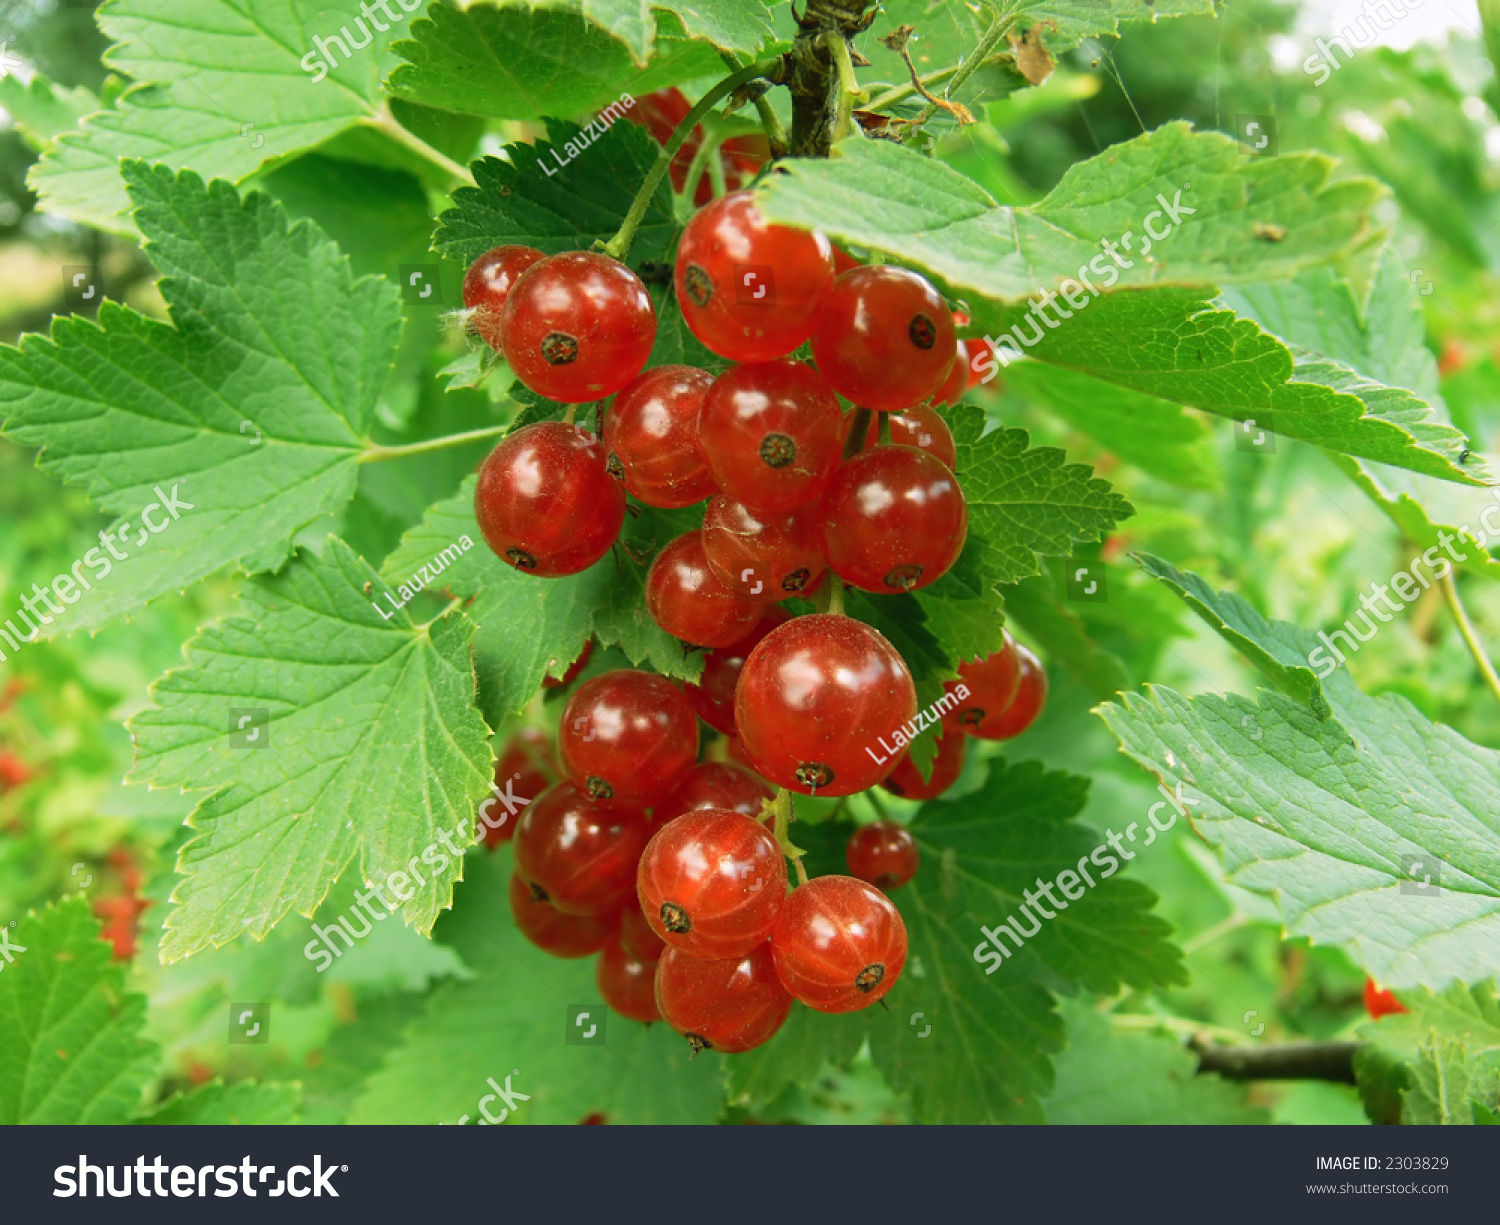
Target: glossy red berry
(689,602)
(839,944)
(952,388)
(762,557)
(488,283)
(882,854)
(983,690)
(527,767)
(710,883)
(713,696)
(627,738)
(921,427)
(552,931)
(627,983)
(885,338)
(907,782)
(772,434)
(546,502)
(576,854)
(717,784)
(984,364)
(814,701)
(638,936)
(573,669)
(577,327)
(894,520)
(651,434)
(729,1005)
(749,290)
(1380,1003)
(1031,696)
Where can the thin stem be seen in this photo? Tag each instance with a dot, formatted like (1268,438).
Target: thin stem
(849,87)
(885,429)
(386,122)
(769,120)
(881,810)
(897,42)
(781,809)
(1177,1025)
(835,595)
(374,454)
(1466,628)
(998,29)
(619,246)
(1206,937)
(716,175)
(901,93)
(859,433)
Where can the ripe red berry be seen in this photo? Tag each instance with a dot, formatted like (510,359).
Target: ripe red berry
(576,854)
(717,784)
(1379,1003)
(885,338)
(985,687)
(772,434)
(843,262)
(839,944)
(710,883)
(882,854)
(952,388)
(907,782)
(729,1005)
(713,696)
(894,520)
(762,557)
(527,766)
(577,327)
(651,434)
(546,502)
(552,931)
(487,284)
(1031,696)
(686,599)
(661,111)
(627,983)
(627,738)
(921,427)
(984,362)
(814,700)
(638,936)
(750,290)
(574,668)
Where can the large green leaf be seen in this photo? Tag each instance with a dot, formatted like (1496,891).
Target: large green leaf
(735,25)
(43,110)
(244,1103)
(369,745)
(252,407)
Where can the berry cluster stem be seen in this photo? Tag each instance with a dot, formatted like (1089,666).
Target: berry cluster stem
(849,88)
(769,120)
(781,810)
(859,433)
(374,454)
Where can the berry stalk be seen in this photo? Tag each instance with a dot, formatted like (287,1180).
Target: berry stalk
(781,810)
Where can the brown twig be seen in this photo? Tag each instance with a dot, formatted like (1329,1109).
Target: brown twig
(897,41)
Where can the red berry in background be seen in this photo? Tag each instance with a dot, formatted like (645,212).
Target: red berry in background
(814,701)
(952,389)
(984,364)
(13,771)
(576,854)
(882,854)
(713,696)
(894,520)
(662,111)
(772,434)
(985,687)
(627,983)
(734,753)
(1031,696)
(921,427)
(749,290)
(762,557)
(843,262)
(710,883)
(121,924)
(627,738)
(488,283)
(717,784)
(729,1005)
(577,327)
(838,944)
(546,502)
(687,600)
(885,339)
(1379,1003)
(907,782)
(527,767)
(552,931)
(638,936)
(651,433)
(574,668)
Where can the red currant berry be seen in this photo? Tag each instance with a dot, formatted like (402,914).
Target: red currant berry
(1031,696)
(885,338)
(687,600)
(552,931)
(729,1005)
(660,113)
(952,388)
(843,262)
(882,854)
(576,854)
(815,701)
(568,677)
(487,285)
(713,696)
(762,557)
(1379,1003)
(717,784)
(894,520)
(710,883)
(527,767)
(771,433)
(734,753)
(984,363)
(627,738)
(577,327)
(651,434)
(750,290)
(925,429)
(839,944)
(546,502)
(627,983)
(907,782)
(985,687)
(638,936)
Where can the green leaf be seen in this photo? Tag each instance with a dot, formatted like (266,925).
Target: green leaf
(735,25)
(371,747)
(43,110)
(511,1022)
(1059,631)
(1342,820)
(354,1052)
(250,410)
(1068,22)
(1447,1083)
(244,1103)
(71,1049)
